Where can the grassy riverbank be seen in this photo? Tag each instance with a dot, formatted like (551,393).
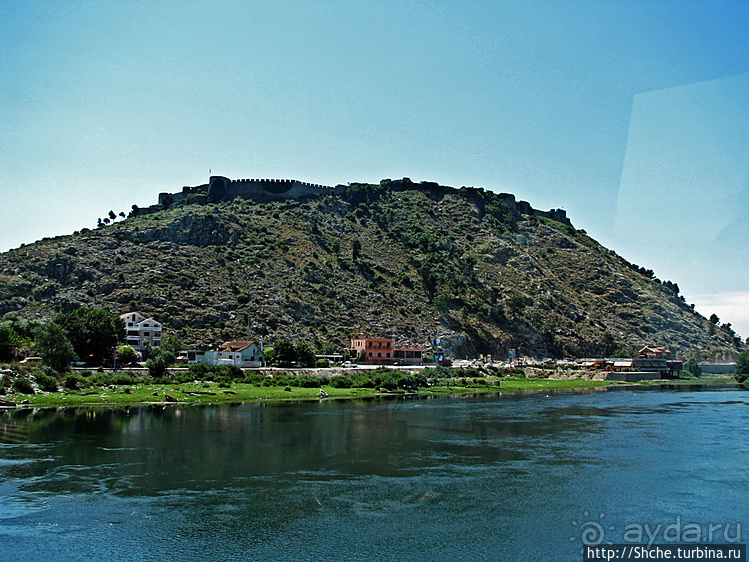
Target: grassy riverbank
(197,393)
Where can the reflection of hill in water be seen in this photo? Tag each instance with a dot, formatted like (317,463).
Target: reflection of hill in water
(136,451)
(368,481)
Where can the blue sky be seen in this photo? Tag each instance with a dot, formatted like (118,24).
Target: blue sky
(593,106)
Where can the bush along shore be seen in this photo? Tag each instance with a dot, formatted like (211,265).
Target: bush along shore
(202,384)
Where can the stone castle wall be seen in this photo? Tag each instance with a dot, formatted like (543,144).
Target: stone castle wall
(524,208)
(222,188)
(269,189)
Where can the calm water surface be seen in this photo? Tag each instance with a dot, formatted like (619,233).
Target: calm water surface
(499,478)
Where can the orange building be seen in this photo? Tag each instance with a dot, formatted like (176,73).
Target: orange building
(382,351)
(378,351)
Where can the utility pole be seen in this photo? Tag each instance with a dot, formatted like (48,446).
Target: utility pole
(249,321)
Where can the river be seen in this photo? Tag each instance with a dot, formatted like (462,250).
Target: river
(513,477)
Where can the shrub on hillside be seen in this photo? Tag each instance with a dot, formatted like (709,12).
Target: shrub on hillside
(75,382)
(387,379)
(342,381)
(46,382)
(203,372)
(22,385)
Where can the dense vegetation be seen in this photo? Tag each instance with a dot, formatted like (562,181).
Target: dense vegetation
(225,376)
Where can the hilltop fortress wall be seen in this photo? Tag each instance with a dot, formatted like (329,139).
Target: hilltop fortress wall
(268,189)
(221,188)
(524,208)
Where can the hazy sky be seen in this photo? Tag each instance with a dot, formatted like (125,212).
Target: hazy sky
(630,115)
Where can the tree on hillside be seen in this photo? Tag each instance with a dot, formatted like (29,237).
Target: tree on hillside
(607,341)
(54,347)
(93,332)
(11,341)
(159,361)
(126,354)
(693,368)
(172,344)
(304,354)
(283,353)
(714,319)
(741,373)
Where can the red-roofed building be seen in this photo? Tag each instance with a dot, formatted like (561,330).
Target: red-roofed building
(655,352)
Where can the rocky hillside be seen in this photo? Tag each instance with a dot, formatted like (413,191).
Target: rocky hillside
(410,261)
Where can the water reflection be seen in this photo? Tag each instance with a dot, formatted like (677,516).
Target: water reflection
(505,475)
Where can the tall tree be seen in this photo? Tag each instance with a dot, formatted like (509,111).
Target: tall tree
(283,352)
(159,361)
(172,344)
(11,341)
(93,332)
(54,347)
(741,371)
(693,368)
(304,354)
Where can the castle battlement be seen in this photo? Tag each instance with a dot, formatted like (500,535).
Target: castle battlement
(265,189)
(220,188)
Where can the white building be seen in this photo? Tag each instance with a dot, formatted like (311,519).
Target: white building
(240,353)
(140,331)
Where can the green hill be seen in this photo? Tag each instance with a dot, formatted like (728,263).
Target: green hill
(410,261)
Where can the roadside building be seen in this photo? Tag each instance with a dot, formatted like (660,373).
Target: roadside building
(141,331)
(376,351)
(240,353)
(655,352)
(382,351)
(408,355)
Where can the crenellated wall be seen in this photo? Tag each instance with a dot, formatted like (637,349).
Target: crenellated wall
(222,188)
(267,189)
